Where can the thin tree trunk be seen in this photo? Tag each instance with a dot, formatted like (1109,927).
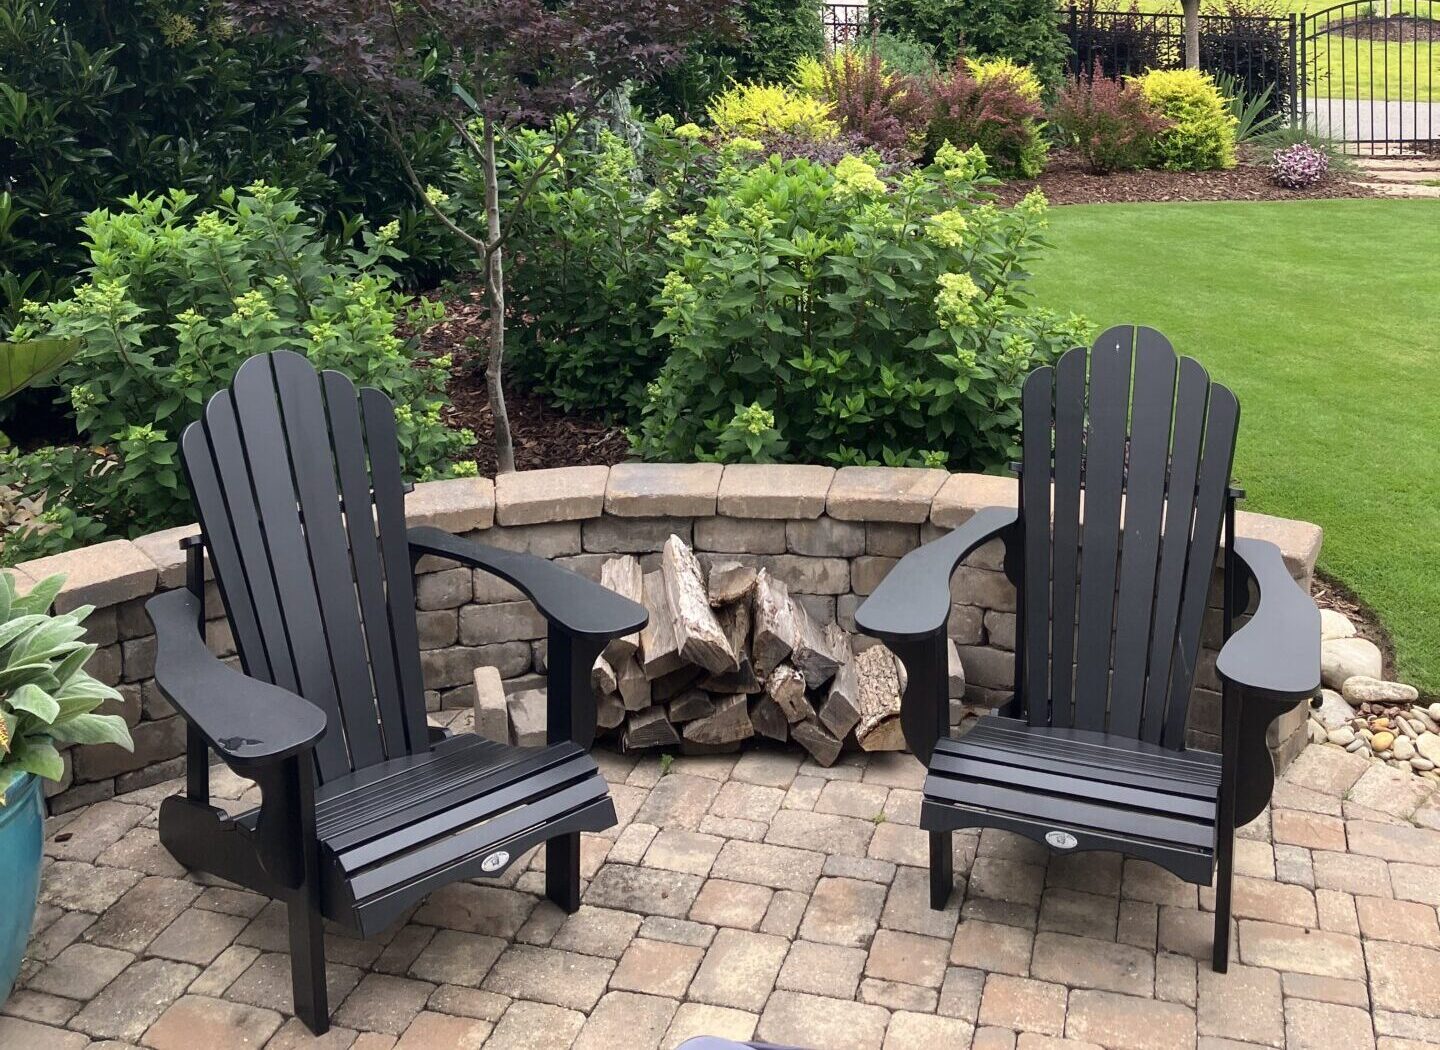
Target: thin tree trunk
(1192,33)
(495,300)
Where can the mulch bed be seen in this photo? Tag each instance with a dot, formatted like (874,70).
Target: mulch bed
(1065,181)
(1397,29)
(544,435)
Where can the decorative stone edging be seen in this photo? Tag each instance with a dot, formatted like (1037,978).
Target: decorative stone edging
(830,534)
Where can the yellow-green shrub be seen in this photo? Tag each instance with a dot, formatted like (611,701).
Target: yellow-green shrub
(757,110)
(814,76)
(1201,135)
(1021,77)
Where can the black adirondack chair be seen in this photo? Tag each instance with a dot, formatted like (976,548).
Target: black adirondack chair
(1124,502)
(365,808)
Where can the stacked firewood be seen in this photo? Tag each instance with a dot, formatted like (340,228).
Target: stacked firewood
(730,655)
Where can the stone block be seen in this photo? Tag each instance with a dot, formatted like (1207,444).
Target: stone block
(556,539)
(963,494)
(526,711)
(825,537)
(610,535)
(163,548)
(772,490)
(868,570)
(883,493)
(526,497)
(1000,630)
(803,575)
(1299,541)
(891,539)
(650,490)
(740,535)
(988,668)
(983,587)
(154,742)
(456,505)
(101,574)
(502,622)
(447,589)
(438,628)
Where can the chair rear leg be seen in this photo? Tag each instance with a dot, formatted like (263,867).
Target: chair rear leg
(1224,858)
(562,871)
(307,963)
(942,869)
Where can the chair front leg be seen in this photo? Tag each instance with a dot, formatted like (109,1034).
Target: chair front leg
(570,715)
(291,853)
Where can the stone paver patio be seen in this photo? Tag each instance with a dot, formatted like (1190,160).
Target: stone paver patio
(762,895)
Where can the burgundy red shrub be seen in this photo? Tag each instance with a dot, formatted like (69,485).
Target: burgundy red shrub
(1108,122)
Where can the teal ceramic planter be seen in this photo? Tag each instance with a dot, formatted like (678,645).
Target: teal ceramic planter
(22,825)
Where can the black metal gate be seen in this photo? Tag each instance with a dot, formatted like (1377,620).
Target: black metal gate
(1370,75)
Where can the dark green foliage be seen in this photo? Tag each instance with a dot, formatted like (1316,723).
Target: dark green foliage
(100,100)
(769,37)
(1026,31)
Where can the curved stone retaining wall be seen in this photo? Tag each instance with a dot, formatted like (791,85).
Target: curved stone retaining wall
(831,535)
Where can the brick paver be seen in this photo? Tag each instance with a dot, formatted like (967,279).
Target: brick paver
(767,897)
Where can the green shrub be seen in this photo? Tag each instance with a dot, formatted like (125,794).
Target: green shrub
(586,259)
(831,314)
(756,110)
(100,100)
(1201,132)
(1000,113)
(1026,31)
(172,304)
(46,696)
(903,54)
(774,35)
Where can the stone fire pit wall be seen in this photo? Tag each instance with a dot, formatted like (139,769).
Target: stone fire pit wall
(830,535)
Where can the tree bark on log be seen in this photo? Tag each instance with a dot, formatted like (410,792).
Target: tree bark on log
(659,649)
(624,576)
(729,724)
(879,700)
(775,632)
(786,686)
(696,630)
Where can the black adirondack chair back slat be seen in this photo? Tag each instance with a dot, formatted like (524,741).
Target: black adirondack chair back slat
(296,479)
(1127,459)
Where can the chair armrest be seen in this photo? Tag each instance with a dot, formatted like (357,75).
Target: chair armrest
(913,601)
(1277,654)
(248,722)
(579,607)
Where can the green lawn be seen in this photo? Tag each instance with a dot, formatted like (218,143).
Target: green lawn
(1322,316)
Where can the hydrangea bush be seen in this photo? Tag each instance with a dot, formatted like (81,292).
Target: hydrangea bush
(172,304)
(1299,166)
(840,314)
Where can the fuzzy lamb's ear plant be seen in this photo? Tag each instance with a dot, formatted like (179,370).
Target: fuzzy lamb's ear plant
(46,696)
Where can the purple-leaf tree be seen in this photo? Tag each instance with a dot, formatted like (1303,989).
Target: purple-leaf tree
(483,66)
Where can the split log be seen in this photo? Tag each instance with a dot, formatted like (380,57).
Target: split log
(609,711)
(728,724)
(690,705)
(816,739)
(659,649)
(633,685)
(841,710)
(815,655)
(956,673)
(776,630)
(696,630)
(675,683)
(649,728)
(735,622)
(624,576)
(602,677)
(878,697)
(786,686)
(730,582)
(769,720)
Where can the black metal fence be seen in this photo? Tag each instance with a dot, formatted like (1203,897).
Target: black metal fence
(845,22)
(1370,75)
(1258,51)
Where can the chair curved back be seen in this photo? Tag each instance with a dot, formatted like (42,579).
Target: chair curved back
(1127,457)
(296,479)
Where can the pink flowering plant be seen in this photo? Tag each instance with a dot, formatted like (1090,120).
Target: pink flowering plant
(1299,166)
